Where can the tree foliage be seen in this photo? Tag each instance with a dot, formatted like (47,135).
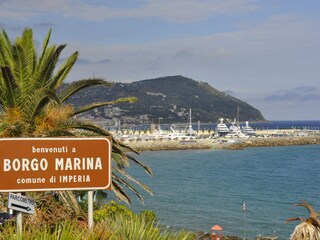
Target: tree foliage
(33,104)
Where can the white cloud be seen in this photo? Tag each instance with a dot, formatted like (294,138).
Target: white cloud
(263,56)
(285,104)
(183,11)
(261,53)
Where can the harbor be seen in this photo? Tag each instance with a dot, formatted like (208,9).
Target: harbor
(207,136)
(230,144)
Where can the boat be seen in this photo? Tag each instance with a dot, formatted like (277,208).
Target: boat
(234,126)
(235,131)
(177,135)
(222,129)
(189,131)
(248,130)
(185,135)
(159,134)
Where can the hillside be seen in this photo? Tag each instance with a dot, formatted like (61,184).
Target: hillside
(168,99)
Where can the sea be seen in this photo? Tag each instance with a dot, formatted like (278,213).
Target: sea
(247,192)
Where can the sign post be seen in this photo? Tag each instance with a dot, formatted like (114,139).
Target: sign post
(20,203)
(19,222)
(54,164)
(90,209)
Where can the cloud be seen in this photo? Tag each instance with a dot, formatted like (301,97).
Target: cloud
(83,61)
(298,94)
(103,61)
(44,23)
(256,58)
(259,57)
(182,11)
(291,104)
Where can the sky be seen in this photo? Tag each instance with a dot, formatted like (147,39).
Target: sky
(265,52)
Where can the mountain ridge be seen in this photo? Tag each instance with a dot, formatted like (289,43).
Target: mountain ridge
(167,99)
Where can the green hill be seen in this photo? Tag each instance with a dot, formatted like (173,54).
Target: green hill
(168,99)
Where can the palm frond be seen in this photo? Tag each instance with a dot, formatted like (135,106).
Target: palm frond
(77,124)
(45,44)
(119,191)
(306,205)
(6,49)
(21,72)
(39,100)
(126,175)
(64,70)
(295,219)
(3,51)
(101,104)
(10,87)
(48,64)
(81,84)
(127,148)
(141,164)
(127,185)
(119,160)
(28,49)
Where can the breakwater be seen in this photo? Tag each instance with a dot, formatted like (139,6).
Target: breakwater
(172,145)
(274,141)
(223,144)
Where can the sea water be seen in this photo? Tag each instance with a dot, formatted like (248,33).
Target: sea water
(201,188)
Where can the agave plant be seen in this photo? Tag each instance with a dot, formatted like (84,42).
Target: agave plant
(308,229)
(33,103)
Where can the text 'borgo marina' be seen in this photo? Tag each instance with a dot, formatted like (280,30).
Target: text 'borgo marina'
(60,164)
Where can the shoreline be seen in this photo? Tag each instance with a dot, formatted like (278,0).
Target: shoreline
(236,144)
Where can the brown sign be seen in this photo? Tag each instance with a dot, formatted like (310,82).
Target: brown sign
(47,164)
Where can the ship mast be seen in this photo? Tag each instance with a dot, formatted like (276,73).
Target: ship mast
(190,124)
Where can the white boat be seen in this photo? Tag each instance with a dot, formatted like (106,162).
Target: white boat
(177,135)
(234,127)
(248,130)
(235,131)
(159,134)
(236,134)
(189,131)
(222,129)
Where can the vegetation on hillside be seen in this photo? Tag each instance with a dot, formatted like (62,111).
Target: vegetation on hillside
(169,99)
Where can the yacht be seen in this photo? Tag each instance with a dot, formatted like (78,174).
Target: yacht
(234,126)
(189,131)
(222,129)
(248,130)
(235,131)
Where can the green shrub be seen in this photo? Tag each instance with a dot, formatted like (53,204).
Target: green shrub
(148,215)
(111,210)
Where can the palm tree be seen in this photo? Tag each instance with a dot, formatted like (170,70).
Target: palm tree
(33,103)
(308,228)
